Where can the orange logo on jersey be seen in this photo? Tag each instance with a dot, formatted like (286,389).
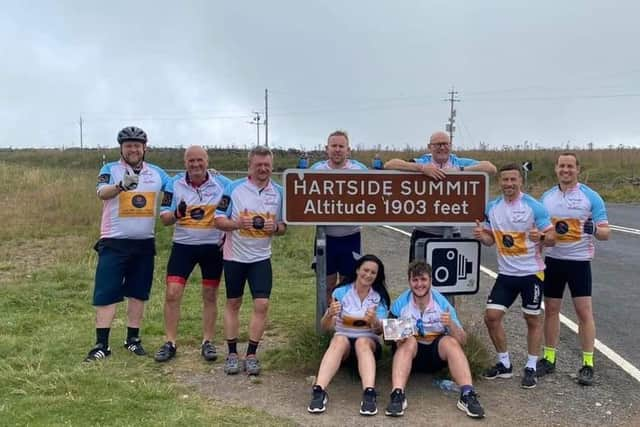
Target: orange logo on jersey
(567,229)
(511,243)
(354,322)
(427,338)
(135,204)
(258,220)
(199,217)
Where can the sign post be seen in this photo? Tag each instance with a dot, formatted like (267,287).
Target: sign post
(364,197)
(321,275)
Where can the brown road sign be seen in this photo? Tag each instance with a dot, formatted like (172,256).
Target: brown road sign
(383,197)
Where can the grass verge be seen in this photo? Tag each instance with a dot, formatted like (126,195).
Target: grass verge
(46,281)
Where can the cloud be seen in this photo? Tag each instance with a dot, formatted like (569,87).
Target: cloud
(195,71)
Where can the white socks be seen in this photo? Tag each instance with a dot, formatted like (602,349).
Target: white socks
(504,359)
(531,362)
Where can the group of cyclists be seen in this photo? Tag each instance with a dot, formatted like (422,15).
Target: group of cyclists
(542,246)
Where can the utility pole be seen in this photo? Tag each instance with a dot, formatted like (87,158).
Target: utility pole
(266,117)
(256,121)
(450,128)
(80,123)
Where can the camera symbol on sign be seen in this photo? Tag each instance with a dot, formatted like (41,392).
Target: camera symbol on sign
(449,266)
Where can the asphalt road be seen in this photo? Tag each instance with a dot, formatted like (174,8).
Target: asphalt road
(616,276)
(559,400)
(616,284)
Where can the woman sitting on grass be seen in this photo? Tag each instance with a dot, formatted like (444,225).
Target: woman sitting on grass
(355,313)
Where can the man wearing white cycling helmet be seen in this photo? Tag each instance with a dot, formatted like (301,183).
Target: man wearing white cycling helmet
(129,189)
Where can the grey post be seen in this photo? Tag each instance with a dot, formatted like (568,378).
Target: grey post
(321,275)
(448,234)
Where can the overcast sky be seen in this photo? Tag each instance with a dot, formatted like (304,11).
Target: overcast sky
(193,72)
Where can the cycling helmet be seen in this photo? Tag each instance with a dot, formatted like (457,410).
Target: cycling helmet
(132,133)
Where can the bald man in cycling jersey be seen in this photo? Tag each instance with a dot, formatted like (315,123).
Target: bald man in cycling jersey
(435,165)
(250,212)
(194,196)
(129,189)
(579,216)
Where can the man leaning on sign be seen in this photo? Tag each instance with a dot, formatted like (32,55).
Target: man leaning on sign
(436,164)
(343,241)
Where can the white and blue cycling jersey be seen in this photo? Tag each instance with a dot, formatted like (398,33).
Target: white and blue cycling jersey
(452,162)
(569,210)
(131,214)
(198,226)
(243,198)
(340,230)
(510,223)
(350,321)
(427,322)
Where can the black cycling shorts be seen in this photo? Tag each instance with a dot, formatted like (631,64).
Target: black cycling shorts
(184,258)
(560,272)
(427,358)
(507,288)
(258,274)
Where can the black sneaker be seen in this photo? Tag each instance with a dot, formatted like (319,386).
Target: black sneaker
(397,404)
(368,404)
(318,402)
(469,404)
(585,375)
(134,345)
(166,352)
(529,379)
(544,367)
(208,351)
(98,352)
(498,371)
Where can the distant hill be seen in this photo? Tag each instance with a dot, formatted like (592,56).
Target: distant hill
(615,173)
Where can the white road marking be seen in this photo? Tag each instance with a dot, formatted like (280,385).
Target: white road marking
(613,227)
(388,227)
(599,345)
(625,229)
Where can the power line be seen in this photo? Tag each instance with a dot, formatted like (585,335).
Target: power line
(382,104)
(560,97)
(452,113)
(168,118)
